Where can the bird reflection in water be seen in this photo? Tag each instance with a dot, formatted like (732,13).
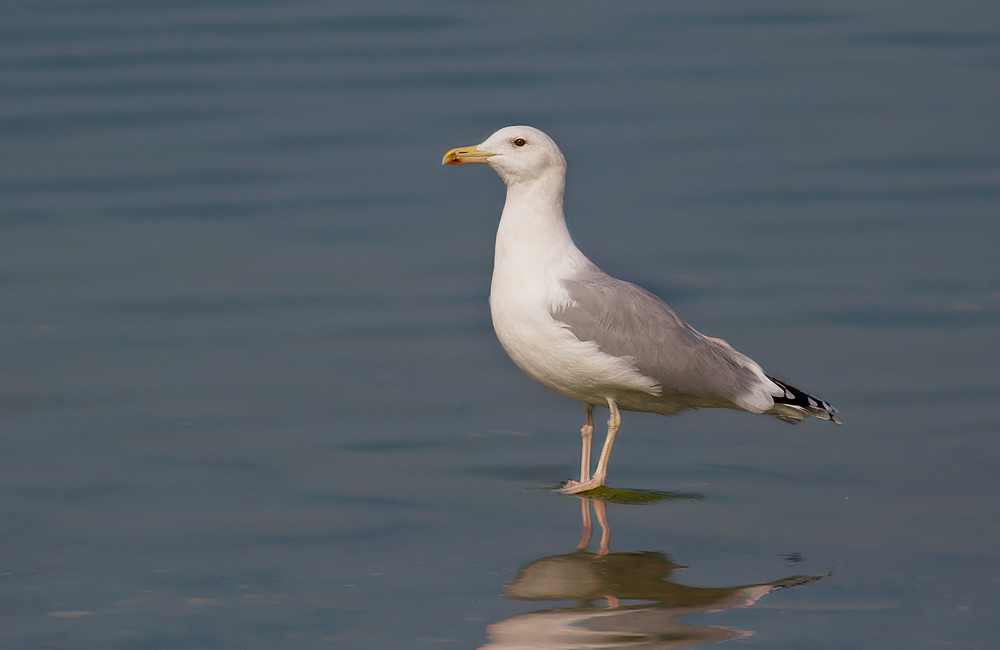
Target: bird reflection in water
(610,578)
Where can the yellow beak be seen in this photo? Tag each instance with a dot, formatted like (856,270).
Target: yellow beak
(465,155)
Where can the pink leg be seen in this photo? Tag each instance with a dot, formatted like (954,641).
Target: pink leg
(615,421)
(587,433)
(601,473)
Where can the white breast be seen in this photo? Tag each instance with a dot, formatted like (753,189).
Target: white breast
(524,294)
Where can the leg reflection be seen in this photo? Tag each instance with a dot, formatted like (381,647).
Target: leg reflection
(601,509)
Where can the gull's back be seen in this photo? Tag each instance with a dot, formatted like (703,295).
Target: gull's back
(691,370)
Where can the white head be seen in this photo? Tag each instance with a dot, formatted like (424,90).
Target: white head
(517,153)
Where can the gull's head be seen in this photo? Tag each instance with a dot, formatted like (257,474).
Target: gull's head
(517,153)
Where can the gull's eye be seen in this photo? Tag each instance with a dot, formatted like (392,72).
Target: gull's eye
(520,142)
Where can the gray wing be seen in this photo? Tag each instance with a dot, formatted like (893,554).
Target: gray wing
(628,321)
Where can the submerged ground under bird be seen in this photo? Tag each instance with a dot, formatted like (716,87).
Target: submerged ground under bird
(591,337)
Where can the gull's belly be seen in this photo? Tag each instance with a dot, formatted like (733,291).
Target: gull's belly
(548,352)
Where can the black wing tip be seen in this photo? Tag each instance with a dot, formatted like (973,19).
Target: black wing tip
(815,406)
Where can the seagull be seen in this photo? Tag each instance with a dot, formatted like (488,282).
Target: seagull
(591,337)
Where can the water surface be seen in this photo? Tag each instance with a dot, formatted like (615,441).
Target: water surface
(250,394)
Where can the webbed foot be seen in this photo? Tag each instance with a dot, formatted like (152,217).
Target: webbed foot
(575,487)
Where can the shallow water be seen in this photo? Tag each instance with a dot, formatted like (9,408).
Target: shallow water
(251,395)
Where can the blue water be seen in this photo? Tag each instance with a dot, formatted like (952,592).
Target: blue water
(250,396)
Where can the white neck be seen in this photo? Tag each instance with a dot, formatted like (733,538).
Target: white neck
(532,232)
